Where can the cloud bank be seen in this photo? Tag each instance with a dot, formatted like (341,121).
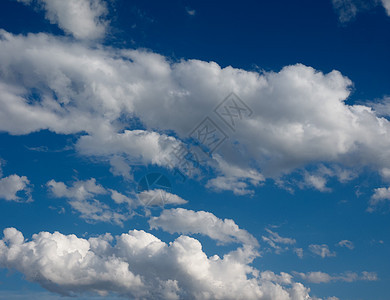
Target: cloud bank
(139,265)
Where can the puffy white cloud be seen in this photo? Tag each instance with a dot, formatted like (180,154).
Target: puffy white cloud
(380,196)
(12,186)
(321,250)
(299,114)
(140,266)
(81,18)
(346,244)
(80,190)
(139,146)
(321,277)
(185,221)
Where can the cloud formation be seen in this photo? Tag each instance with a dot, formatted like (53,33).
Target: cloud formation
(278,243)
(139,265)
(348,9)
(82,197)
(381,196)
(84,19)
(11,188)
(299,118)
(185,221)
(321,250)
(346,244)
(321,277)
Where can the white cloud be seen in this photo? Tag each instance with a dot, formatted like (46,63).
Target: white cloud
(300,115)
(158,197)
(275,241)
(190,11)
(81,190)
(185,221)
(139,146)
(321,277)
(321,250)
(315,277)
(346,244)
(370,276)
(1,167)
(81,198)
(13,186)
(120,167)
(234,178)
(140,266)
(386,5)
(81,18)
(380,196)
(348,9)
(298,252)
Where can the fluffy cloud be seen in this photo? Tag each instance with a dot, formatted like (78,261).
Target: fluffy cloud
(380,196)
(185,221)
(346,244)
(321,277)
(81,18)
(82,196)
(321,250)
(299,114)
(140,266)
(12,186)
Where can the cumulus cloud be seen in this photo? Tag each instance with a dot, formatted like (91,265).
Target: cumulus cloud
(321,277)
(346,244)
(321,250)
(15,188)
(81,197)
(138,265)
(299,118)
(380,197)
(185,221)
(84,19)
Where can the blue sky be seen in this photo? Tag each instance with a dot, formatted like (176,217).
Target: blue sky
(269,121)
